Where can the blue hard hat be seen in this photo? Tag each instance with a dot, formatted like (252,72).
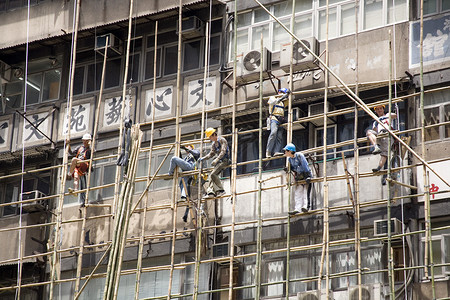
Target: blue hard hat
(283,90)
(289,147)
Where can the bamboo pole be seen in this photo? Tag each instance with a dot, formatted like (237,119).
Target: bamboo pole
(88,181)
(53,267)
(149,172)
(177,149)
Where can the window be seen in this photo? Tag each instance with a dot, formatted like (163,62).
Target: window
(191,55)
(331,139)
(437,110)
(88,77)
(142,171)
(440,243)
(433,7)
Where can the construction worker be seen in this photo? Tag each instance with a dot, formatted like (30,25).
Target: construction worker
(221,154)
(380,144)
(78,166)
(301,171)
(186,164)
(275,119)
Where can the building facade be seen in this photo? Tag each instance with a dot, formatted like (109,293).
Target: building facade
(233,56)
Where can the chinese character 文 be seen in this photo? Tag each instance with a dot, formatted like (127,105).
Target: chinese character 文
(198,92)
(33,129)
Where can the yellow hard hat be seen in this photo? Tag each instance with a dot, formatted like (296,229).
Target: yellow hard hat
(382,105)
(209,131)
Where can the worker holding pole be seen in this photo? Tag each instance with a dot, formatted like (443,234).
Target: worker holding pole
(221,154)
(302,174)
(276,117)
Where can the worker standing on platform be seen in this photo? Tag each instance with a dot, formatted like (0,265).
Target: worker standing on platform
(380,144)
(221,153)
(301,171)
(276,117)
(78,166)
(186,164)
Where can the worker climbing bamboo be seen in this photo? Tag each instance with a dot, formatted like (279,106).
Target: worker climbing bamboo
(302,175)
(276,117)
(380,144)
(221,154)
(185,164)
(79,165)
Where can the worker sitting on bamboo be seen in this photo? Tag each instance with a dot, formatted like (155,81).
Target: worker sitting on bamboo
(302,173)
(275,119)
(186,164)
(221,153)
(78,166)
(380,144)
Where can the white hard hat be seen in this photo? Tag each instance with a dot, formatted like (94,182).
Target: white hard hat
(86,136)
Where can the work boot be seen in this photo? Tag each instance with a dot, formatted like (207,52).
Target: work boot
(278,154)
(377,169)
(209,196)
(376,150)
(220,193)
(292,213)
(304,209)
(268,154)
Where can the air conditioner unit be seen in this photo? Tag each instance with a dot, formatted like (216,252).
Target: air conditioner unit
(114,44)
(317,109)
(297,114)
(191,27)
(302,59)
(37,205)
(249,65)
(368,292)
(380,227)
(5,71)
(315,295)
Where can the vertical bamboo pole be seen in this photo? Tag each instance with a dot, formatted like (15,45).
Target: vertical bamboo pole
(389,229)
(357,206)
(199,228)
(88,181)
(56,243)
(259,226)
(149,172)
(233,160)
(177,150)
(289,140)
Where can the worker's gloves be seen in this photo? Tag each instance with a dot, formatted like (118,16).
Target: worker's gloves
(214,162)
(184,148)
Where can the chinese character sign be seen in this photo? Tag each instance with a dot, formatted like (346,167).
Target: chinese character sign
(436,42)
(195,94)
(163,103)
(437,188)
(79,121)
(112,111)
(36,128)
(4,133)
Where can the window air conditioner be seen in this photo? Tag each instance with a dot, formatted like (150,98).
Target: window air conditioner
(37,205)
(302,58)
(297,114)
(380,227)
(191,27)
(249,65)
(5,72)
(114,45)
(369,292)
(317,109)
(315,295)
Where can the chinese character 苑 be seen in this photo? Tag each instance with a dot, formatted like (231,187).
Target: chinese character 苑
(77,120)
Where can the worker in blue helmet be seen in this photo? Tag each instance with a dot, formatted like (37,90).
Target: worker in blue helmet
(302,174)
(277,104)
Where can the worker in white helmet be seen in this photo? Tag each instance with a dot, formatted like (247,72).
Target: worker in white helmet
(79,165)
(221,154)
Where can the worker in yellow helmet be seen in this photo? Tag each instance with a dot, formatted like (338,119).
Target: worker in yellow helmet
(380,144)
(221,154)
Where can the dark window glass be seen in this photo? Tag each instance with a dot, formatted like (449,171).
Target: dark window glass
(216,26)
(2,5)
(191,55)
(133,69)
(11,195)
(214,53)
(78,81)
(149,64)
(15,4)
(93,77)
(170,60)
(34,86)
(112,75)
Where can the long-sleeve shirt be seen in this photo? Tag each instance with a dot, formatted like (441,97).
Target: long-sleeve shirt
(299,163)
(193,156)
(219,148)
(277,105)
